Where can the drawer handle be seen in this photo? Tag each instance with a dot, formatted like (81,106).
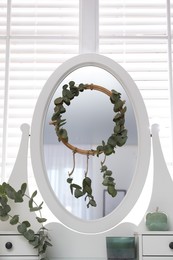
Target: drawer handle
(171,245)
(8,245)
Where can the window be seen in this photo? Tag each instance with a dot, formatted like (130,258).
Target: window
(137,35)
(36,36)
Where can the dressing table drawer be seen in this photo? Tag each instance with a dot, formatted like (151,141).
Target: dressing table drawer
(157,245)
(14,246)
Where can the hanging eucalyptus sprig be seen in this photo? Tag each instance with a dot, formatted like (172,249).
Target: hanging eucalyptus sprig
(39,239)
(117,138)
(84,190)
(108,180)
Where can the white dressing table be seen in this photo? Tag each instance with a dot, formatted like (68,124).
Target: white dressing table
(14,247)
(154,245)
(76,239)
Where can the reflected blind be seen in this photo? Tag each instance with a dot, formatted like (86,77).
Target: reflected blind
(35,38)
(135,34)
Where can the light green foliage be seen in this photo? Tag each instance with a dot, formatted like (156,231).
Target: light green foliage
(39,239)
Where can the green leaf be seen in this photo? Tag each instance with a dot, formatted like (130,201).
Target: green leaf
(3,200)
(10,191)
(121,141)
(88,189)
(78,193)
(93,203)
(23,188)
(62,109)
(117,129)
(4,217)
(112,140)
(56,115)
(108,149)
(35,242)
(41,220)
(29,235)
(118,105)
(112,191)
(107,173)
(30,203)
(87,181)
(69,180)
(26,223)
(32,209)
(76,186)
(67,93)
(63,134)
(22,228)
(66,101)
(7,209)
(71,83)
(81,87)
(14,220)
(2,190)
(18,196)
(103,168)
(34,194)
(58,101)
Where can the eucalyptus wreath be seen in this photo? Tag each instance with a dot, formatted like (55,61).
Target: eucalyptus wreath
(38,239)
(117,138)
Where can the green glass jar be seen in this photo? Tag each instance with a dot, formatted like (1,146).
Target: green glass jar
(157,221)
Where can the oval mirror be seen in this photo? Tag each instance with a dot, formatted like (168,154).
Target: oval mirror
(88,122)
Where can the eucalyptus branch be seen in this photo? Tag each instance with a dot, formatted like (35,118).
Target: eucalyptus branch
(39,239)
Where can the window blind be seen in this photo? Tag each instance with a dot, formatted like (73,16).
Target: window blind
(135,34)
(39,36)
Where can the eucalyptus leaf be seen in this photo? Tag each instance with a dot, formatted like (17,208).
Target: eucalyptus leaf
(112,191)
(26,223)
(78,193)
(41,220)
(4,217)
(3,200)
(63,134)
(103,168)
(23,188)
(35,242)
(58,101)
(34,194)
(69,180)
(29,235)
(7,208)
(14,220)
(18,196)
(21,228)
(118,105)
(10,192)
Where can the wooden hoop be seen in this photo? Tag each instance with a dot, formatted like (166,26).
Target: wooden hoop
(76,149)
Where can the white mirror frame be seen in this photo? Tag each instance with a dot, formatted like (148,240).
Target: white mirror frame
(144,145)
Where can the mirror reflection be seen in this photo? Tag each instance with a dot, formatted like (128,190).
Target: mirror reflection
(89,120)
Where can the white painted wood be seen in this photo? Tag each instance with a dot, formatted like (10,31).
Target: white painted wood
(20,246)
(157,245)
(19,258)
(154,258)
(88,26)
(162,191)
(37,130)
(19,176)
(68,244)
